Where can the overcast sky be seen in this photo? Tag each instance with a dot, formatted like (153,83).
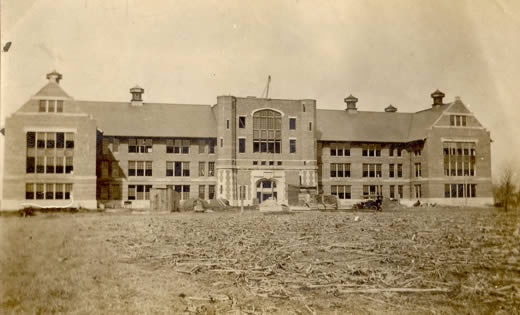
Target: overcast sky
(384,52)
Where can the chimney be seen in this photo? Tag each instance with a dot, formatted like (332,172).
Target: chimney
(437,98)
(137,95)
(54,77)
(391,109)
(351,103)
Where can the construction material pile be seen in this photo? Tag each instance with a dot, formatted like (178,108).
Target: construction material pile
(402,260)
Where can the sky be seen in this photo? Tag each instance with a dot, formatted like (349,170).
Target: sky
(383,52)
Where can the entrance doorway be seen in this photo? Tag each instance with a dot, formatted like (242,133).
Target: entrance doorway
(265,189)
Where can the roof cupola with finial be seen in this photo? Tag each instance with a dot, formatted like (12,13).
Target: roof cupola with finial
(137,95)
(437,98)
(351,103)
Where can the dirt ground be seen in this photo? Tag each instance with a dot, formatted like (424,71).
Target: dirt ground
(437,260)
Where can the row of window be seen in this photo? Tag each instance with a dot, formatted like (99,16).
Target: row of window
(342,149)
(267,122)
(460,190)
(142,192)
(144,168)
(49,165)
(50,106)
(48,191)
(458,120)
(271,163)
(266,146)
(370,170)
(176,146)
(50,140)
(369,191)
(459,158)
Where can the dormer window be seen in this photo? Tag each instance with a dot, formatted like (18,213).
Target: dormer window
(458,120)
(50,106)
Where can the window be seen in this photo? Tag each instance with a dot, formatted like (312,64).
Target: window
(42,108)
(418,191)
(458,120)
(227,124)
(59,165)
(131,168)
(262,162)
(58,191)
(184,191)
(310,126)
(341,191)
(267,132)
(178,169)
(139,168)
(148,171)
(372,170)
(202,192)
(140,145)
(202,146)
(139,192)
(115,192)
(69,140)
(391,169)
(221,142)
(241,145)
(48,191)
(202,169)
(255,162)
(459,158)
(371,191)
(339,170)
(418,170)
(29,191)
(59,106)
(417,152)
(104,168)
(339,149)
(212,144)
(211,192)
(103,195)
(50,106)
(115,144)
(45,152)
(400,191)
(292,123)
(292,146)
(69,165)
(392,191)
(303,108)
(460,190)
(241,121)
(279,163)
(371,150)
(115,169)
(399,170)
(211,168)
(391,151)
(104,145)
(271,163)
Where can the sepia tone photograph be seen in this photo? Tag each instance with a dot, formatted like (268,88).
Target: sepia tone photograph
(259,157)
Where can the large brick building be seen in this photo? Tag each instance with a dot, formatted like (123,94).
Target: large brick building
(60,151)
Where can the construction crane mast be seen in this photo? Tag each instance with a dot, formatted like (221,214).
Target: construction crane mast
(265,93)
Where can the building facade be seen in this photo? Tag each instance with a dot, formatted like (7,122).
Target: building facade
(64,152)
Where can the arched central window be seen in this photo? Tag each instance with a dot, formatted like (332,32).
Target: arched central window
(267,131)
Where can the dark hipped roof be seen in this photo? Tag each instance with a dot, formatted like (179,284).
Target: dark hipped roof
(151,119)
(52,89)
(365,126)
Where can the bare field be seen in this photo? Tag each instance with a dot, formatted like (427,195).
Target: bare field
(439,260)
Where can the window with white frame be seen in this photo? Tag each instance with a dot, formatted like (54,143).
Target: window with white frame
(458,120)
(341,191)
(371,150)
(48,152)
(267,132)
(48,191)
(50,106)
(459,158)
(372,170)
(340,170)
(339,149)
(140,145)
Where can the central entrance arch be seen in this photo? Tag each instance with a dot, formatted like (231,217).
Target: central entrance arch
(265,189)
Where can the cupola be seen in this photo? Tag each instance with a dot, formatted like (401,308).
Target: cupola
(54,77)
(437,98)
(351,103)
(137,95)
(391,109)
